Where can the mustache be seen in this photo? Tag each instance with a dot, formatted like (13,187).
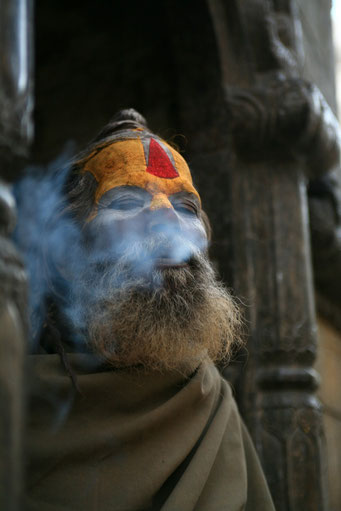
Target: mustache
(107,281)
(142,257)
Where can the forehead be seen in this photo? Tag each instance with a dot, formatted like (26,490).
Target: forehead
(148,163)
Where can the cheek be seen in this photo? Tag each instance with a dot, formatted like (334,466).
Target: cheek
(129,231)
(107,236)
(194,231)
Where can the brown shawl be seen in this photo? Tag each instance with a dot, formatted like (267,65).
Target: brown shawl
(135,441)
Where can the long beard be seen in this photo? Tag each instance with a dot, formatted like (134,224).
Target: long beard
(159,319)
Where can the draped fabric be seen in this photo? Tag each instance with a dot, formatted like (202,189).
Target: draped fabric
(133,441)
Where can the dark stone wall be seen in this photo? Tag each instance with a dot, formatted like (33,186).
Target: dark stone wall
(93,59)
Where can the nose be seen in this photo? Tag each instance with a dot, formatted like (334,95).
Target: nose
(162,217)
(160,201)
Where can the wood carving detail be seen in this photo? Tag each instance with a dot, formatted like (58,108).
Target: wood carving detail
(282,132)
(13,329)
(286,119)
(293,434)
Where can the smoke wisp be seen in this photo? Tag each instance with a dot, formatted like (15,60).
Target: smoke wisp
(110,292)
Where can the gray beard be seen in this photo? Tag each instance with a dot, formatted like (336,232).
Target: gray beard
(159,319)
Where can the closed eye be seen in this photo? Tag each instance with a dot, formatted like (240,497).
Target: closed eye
(126,203)
(186,208)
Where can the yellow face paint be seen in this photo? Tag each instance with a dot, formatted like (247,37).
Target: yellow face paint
(160,200)
(148,163)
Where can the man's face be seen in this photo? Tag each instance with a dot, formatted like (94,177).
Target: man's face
(127,218)
(148,295)
(144,193)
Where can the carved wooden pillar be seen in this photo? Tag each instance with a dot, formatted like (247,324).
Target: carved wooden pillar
(274,275)
(256,132)
(15,134)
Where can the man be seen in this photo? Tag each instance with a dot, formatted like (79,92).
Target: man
(141,318)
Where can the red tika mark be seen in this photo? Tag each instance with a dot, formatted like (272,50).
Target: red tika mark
(159,163)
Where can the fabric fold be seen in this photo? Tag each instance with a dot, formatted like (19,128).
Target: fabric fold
(134,441)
